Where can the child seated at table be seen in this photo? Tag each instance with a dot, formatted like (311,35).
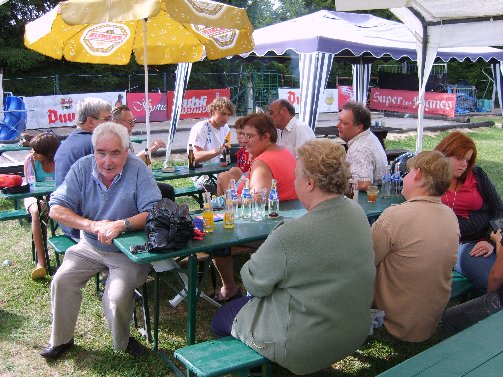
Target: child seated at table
(239,172)
(41,162)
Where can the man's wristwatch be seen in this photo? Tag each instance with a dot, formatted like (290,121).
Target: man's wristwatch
(127,225)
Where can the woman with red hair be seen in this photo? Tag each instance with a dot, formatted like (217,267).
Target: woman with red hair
(473,198)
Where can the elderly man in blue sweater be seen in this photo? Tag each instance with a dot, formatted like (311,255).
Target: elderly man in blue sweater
(115,191)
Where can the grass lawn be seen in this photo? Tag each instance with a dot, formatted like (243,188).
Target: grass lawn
(25,316)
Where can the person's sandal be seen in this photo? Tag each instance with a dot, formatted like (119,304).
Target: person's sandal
(224,300)
(38,273)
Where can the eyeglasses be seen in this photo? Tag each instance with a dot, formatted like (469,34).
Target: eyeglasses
(248,136)
(106,119)
(130,121)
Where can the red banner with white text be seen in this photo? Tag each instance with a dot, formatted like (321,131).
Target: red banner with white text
(195,102)
(405,101)
(193,106)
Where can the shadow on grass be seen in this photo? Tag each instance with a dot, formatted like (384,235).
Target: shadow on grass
(104,362)
(10,323)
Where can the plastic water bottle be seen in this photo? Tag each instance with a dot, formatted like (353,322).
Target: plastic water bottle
(273,201)
(30,174)
(234,196)
(397,182)
(229,211)
(386,183)
(246,200)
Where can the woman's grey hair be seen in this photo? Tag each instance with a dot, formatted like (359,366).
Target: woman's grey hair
(91,107)
(111,128)
(325,162)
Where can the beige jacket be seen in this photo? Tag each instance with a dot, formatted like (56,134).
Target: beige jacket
(415,246)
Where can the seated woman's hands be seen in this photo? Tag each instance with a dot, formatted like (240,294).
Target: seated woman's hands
(482,248)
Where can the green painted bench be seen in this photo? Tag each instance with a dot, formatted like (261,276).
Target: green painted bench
(460,285)
(14,214)
(60,244)
(191,191)
(222,356)
(476,352)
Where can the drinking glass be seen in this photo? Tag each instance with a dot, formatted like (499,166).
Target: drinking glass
(258,204)
(372,192)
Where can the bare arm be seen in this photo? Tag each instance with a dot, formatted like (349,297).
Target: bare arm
(106,230)
(202,155)
(260,176)
(495,280)
(153,148)
(363,185)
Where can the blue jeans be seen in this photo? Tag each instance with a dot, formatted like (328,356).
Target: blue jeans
(475,269)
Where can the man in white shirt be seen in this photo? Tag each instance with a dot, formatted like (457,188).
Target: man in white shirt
(365,154)
(292,133)
(208,137)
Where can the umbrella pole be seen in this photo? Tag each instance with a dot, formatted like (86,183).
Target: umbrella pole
(145,69)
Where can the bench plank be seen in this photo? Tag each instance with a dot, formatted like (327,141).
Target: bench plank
(476,351)
(460,285)
(219,357)
(14,214)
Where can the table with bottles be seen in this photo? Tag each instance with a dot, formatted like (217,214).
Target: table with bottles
(245,230)
(185,172)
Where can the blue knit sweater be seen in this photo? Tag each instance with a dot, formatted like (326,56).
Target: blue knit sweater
(134,192)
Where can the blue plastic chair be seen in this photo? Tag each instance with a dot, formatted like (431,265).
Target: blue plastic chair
(14,121)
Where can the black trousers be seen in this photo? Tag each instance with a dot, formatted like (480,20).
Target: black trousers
(464,315)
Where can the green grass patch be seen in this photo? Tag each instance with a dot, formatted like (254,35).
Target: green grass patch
(25,314)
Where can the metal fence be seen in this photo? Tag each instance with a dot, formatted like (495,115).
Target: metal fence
(247,88)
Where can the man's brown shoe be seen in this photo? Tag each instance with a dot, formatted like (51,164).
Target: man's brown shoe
(55,352)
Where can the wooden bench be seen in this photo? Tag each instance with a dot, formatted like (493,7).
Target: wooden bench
(191,191)
(476,351)
(460,285)
(222,356)
(60,244)
(14,214)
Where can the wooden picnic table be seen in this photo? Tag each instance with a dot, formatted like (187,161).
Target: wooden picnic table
(244,231)
(476,352)
(12,148)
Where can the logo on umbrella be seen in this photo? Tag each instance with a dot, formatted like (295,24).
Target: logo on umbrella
(223,38)
(104,39)
(206,8)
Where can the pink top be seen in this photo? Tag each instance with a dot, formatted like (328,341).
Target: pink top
(466,199)
(282,165)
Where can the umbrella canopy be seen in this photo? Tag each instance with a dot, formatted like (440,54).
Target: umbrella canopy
(170,38)
(156,31)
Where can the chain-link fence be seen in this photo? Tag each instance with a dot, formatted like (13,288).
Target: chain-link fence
(248,89)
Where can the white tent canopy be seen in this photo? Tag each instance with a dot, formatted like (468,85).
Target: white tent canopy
(358,38)
(437,24)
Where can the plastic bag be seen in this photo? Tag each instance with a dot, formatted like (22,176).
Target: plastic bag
(169,227)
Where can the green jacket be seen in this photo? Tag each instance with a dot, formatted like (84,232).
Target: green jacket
(313,283)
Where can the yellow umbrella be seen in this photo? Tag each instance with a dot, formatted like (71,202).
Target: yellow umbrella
(165,31)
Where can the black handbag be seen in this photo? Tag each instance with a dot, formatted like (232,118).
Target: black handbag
(169,227)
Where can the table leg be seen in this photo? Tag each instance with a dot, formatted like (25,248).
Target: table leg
(192,300)
(156,311)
